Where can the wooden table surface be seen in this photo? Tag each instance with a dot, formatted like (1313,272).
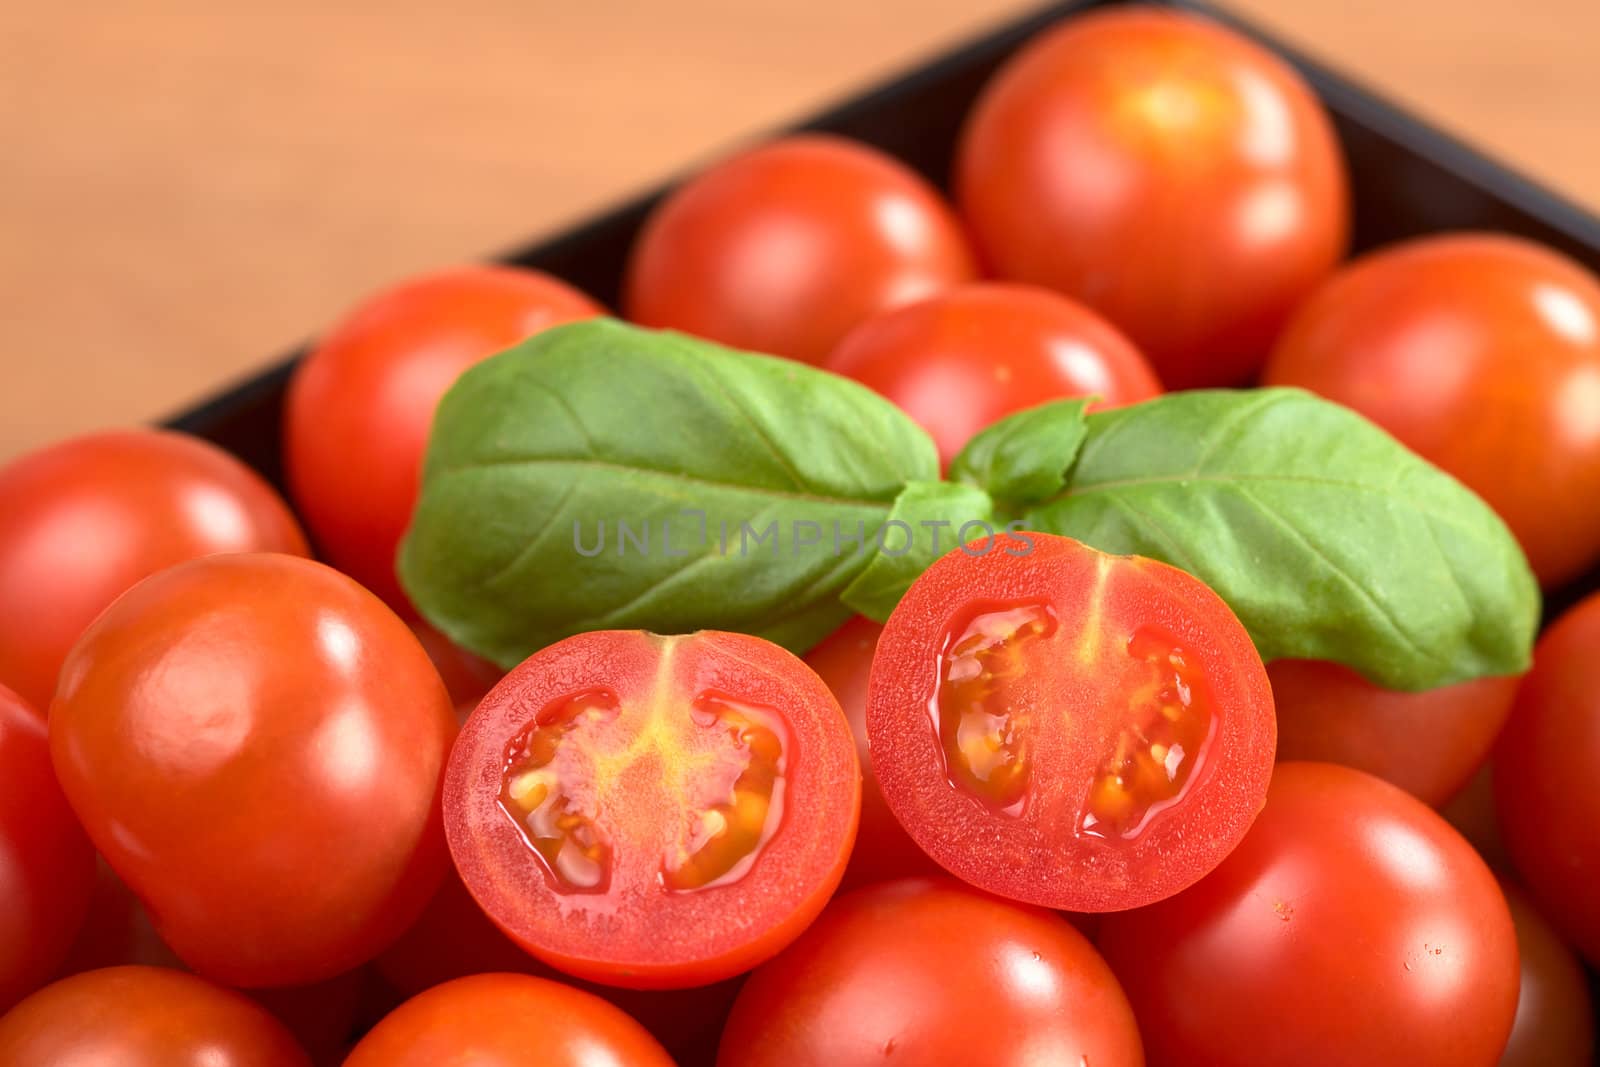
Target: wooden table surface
(188,188)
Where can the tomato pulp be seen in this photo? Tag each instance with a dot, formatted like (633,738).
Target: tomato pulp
(654,811)
(1069,728)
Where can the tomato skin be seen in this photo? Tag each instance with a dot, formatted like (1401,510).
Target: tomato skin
(1352,925)
(46,864)
(1555,1015)
(785,247)
(904,970)
(1545,802)
(1171,174)
(359,406)
(1481,353)
(630,929)
(86,518)
(1427,743)
(1042,851)
(883,850)
(144,1017)
(971,355)
(182,714)
(466,677)
(507,1020)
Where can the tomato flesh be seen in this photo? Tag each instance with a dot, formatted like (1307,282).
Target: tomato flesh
(654,811)
(1069,728)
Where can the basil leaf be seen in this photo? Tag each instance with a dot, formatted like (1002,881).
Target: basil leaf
(1327,538)
(928,520)
(732,491)
(1024,458)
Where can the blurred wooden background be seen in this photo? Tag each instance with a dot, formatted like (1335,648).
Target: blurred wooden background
(187,188)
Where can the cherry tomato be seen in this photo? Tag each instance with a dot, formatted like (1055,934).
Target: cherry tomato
(1351,926)
(1174,176)
(83,520)
(360,405)
(783,248)
(883,849)
(958,361)
(1555,1017)
(143,1017)
(1472,813)
(321,1016)
(466,677)
(118,930)
(931,973)
(1481,353)
(650,811)
(507,1020)
(1068,728)
(254,743)
(1427,743)
(46,864)
(1547,807)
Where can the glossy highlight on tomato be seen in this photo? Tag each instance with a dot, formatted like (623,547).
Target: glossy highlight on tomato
(784,248)
(359,406)
(47,870)
(965,358)
(1069,728)
(654,811)
(1481,353)
(255,744)
(932,973)
(1427,743)
(83,520)
(1168,172)
(1352,925)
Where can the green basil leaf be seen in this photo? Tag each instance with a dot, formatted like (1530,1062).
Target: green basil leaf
(1024,458)
(732,491)
(1328,538)
(928,520)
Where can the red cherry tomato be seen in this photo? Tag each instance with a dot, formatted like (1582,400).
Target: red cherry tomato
(1351,926)
(46,864)
(83,520)
(1174,176)
(466,677)
(1555,1016)
(1068,728)
(254,743)
(883,849)
(1472,813)
(507,1020)
(931,973)
(654,811)
(1547,807)
(1427,743)
(1481,353)
(143,1017)
(360,405)
(321,1016)
(958,361)
(784,248)
(118,930)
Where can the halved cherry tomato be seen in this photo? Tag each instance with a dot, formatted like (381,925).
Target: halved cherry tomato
(1481,353)
(1168,172)
(360,405)
(930,973)
(1427,743)
(785,247)
(964,358)
(83,520)
(1555,1014)
(1069,728)
(654,811)
(46,864)
(1547,806)
(255,743)
(507,1020)
(143,1017)
(883,850)
(1352,925)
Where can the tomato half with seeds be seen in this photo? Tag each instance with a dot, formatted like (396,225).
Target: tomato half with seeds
(1069,728)
(651,811)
